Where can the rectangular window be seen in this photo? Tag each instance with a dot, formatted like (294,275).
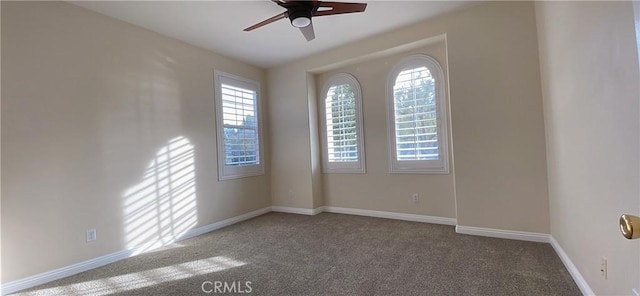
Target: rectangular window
(238,127)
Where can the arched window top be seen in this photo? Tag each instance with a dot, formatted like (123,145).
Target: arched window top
(407,76)
(341,113)
(341,79)
(425,64)
(417,116)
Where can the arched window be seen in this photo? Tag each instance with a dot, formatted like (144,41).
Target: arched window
(417,116)
(341,113)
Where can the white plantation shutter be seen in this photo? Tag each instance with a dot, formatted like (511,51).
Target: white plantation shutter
(342,125)
(238,126)
(417,116)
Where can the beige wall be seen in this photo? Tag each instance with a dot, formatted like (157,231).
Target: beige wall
(498,130)
(378,189)
(497,122)
(590,78)
(291,170)
(314,143)
(87,103)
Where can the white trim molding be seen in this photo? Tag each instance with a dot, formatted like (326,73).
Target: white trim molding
(224,223)
(573,270)
(368,213)
(500,233)
(300,211)
(45,277)
(392,215)
(318,210)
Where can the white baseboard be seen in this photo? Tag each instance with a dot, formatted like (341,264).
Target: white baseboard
(45,277)
(508,234)
(318,210)
(301,211)
(217,225)
(573,270)
(391,215)
(368,213)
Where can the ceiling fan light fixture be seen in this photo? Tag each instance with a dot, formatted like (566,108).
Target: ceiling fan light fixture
(300,18)
(301,22)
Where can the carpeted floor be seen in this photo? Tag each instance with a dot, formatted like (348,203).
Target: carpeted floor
(330,254)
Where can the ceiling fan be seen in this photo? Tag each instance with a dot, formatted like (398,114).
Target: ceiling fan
(301,12)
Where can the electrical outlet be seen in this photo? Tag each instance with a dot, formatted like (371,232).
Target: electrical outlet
(91,235)
(603,267)
(414,197)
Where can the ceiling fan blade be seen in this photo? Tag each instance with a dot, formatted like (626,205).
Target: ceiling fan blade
(267,21)
(281,3)
(308,32)
(339,8)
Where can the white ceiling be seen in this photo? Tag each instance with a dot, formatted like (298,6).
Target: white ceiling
(218,25)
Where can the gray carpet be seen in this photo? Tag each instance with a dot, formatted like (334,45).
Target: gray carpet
(330,254)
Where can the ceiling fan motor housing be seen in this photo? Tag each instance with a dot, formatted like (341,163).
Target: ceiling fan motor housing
(300,17)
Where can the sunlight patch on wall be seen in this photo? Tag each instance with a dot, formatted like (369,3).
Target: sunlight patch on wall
(162,207)
(142,279)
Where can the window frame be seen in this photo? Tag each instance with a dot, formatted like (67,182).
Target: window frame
(229,172)
(343,167)
(440,166)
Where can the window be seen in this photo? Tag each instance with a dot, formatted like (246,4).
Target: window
(341,115)
(417,117)
(238,127)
